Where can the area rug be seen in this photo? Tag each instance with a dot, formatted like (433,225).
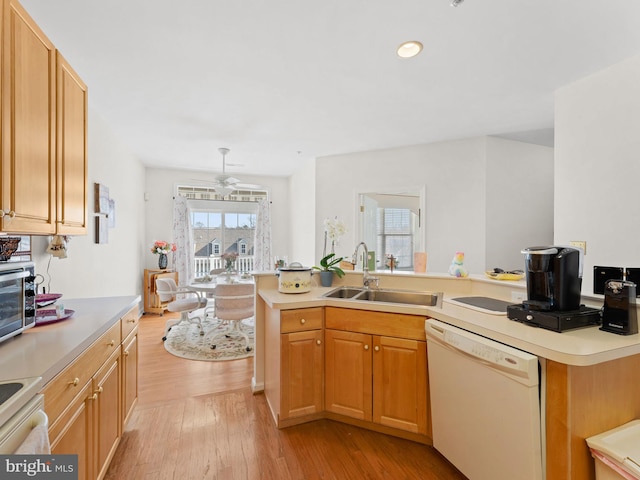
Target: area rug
(185,341)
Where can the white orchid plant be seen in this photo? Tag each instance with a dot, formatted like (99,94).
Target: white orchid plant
(333,230)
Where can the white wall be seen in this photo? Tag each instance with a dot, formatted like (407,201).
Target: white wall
(158,208)
(519,201)
(475,187)
(302,216)
(597,169)
(453,173)
(114,268)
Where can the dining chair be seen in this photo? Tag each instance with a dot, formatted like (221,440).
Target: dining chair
(168,291)
(235,302)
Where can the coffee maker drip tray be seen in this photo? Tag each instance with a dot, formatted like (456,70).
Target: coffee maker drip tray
(553,320)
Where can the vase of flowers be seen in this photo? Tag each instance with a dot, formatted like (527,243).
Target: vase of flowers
(229,259)
(162,248)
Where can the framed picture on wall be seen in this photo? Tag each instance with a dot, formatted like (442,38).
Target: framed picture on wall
(102,229)
(101,195)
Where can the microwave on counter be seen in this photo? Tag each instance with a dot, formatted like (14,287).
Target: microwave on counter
(17,298)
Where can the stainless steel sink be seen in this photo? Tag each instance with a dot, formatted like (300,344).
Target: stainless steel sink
(406,297)
(428,299)
(343,292)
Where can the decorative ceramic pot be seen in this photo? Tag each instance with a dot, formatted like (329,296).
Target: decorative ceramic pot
(326,278)
(162,261)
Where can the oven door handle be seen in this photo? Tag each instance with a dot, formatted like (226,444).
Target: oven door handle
(14,275)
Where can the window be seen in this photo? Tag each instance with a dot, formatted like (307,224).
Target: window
(390,225)
(222,226)
(395,235)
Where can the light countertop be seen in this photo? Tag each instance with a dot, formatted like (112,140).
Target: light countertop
(45,350)
(579,347)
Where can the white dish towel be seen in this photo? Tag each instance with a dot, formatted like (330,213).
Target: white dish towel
(36,443)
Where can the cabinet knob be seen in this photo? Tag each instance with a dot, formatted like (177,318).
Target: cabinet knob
(99,390)
(303,321)
(131,320)
(111,343)
(93,397)
(12,214)
(75,382)
(318,342)
(376,348)
(366,347)
(126,353)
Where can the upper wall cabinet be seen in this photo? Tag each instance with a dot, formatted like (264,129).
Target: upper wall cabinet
(71,153)
(43,127)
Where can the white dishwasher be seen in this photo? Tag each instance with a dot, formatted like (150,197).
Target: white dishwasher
(485,405)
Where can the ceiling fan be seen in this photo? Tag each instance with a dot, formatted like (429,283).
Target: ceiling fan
(226,184)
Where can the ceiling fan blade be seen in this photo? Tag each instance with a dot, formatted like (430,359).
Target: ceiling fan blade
(249,186)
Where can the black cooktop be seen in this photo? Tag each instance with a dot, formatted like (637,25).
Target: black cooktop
(487,303)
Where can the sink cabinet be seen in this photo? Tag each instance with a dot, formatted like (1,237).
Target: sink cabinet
(294,367)
(386,382)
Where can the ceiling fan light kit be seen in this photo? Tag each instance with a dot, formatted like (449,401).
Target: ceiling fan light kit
(224,184)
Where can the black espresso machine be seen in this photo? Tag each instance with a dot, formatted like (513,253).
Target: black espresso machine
(554,281)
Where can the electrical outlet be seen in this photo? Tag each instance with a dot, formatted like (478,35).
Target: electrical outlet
(517,296)
(580,244)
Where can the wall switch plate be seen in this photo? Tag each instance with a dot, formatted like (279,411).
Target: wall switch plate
(579,244)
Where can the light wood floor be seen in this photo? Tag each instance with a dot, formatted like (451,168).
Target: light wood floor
(199,420)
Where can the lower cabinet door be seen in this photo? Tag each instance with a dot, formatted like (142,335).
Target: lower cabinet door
(302,375)
(348,389)
(107,416)
(129,376)
(400,383)
(72,432)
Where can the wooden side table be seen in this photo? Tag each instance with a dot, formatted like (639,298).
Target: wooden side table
(152,302)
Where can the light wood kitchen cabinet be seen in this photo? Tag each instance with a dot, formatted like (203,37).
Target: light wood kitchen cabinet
(71,151)
(129,375)
(44,132)
(107,416)
(73,431)
(28,125)
(89,401)
(152,302)
(386,382)
(294,365)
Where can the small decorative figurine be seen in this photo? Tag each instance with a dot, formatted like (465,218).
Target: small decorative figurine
(457,268)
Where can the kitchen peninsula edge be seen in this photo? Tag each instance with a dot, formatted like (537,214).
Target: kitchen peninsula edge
(591,379)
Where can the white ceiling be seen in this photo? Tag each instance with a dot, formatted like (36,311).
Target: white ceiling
(280,82)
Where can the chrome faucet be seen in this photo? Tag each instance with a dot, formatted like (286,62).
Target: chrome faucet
(367,280)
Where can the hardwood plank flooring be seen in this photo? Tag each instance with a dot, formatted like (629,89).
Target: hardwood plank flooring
(199,420)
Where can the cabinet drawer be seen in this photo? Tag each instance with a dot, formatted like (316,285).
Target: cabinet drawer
(128,322)
(67,384)
(376,323)
(301,319)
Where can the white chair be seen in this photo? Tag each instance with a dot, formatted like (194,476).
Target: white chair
(167,290)
(210,310)
(234,302)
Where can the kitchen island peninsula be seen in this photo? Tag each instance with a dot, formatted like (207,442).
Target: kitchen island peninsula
(589,378)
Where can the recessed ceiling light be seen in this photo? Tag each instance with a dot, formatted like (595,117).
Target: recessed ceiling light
(409,49)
